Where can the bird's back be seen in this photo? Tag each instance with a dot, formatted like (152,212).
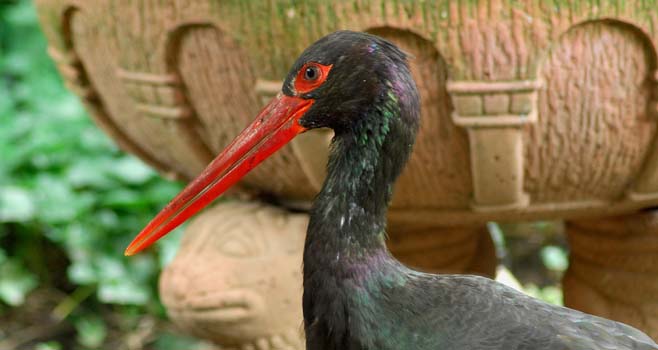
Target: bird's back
(458,312)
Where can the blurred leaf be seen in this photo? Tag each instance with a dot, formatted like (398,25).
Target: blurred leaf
(15,205)
(498,238)
(51,345)
(169,247)
(123,291)
(89,173)
(15,282)
(123,284)
(170,341)
(91,331)
(124,198)
(554,258)
(66,109)
(57,201)
(110,268)
(162,192)
(81,272)
(142,266)
(21,16)
(132,170)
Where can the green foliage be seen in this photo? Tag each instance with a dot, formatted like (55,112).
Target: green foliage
(15,281)
(555,258)
(91,331)
(62,178)
(51,345)
(168,341)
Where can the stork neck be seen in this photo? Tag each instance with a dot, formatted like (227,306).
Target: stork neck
(348,218)
(345,252)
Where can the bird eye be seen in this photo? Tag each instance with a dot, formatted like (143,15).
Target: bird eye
(311,73)
(310,76)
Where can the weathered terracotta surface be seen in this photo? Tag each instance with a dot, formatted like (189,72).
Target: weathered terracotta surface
(237,279)
(614,268)
(530,110)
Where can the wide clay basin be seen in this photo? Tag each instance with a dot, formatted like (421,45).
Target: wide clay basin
(529,111)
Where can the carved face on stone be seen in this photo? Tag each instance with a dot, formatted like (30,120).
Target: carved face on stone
(237,277)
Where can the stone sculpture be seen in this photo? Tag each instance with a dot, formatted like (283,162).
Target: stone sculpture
(236,280)
(531,110)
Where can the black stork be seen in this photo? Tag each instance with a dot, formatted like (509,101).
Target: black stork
(356,295)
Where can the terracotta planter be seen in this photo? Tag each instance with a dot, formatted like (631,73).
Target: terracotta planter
(531,110)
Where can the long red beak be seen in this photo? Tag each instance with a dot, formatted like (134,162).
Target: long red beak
(275,125)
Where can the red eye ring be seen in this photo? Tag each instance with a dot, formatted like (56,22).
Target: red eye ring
(310,76)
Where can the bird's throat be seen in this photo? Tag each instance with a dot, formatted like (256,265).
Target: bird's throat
(346,262)
(348,218)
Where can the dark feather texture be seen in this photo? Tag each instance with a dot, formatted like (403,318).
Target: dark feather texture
(356,295)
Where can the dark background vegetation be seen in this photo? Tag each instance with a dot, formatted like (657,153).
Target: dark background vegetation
(70,202)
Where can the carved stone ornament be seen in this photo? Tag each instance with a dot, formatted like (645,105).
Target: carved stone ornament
(530,110)
(237,278)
